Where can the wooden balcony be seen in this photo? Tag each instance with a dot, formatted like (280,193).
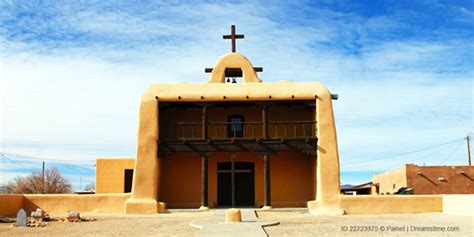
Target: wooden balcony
(205,138)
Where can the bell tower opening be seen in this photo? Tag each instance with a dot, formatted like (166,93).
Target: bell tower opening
(231,75)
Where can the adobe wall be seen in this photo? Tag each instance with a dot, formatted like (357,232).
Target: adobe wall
(440,179)
(390,181)
(110,174)
(181,186)
(391,204)
(458,204)
(292,179)
(62,203)
(10,204)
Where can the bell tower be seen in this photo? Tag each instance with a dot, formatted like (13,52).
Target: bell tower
(233,65)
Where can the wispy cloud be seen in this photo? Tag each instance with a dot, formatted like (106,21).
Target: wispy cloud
(72,74)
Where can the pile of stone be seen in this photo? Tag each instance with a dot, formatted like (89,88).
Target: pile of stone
(86,219)
(39,218)
(73,216)
(6,219)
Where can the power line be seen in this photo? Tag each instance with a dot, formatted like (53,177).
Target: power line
(452,153)
(15,163)
(30,159)
(433,153)
(403,154)
(424,156)
(47,159)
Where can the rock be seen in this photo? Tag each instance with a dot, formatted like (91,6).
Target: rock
(73,216)
(4,219)
(46,217)
(88,219)
(37,215)
(21,219)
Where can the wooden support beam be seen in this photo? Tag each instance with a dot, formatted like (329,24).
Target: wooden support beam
(165,145)
(204,181)
(206,147)
(264,146)
(267,184)
(204,123)
(238,144)
(264,121)
(213,145)
(285,142)
(194,149)
(256,69)
(232,177)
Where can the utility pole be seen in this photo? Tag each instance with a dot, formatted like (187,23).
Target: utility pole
(42,180)
(468,138)
(3,165)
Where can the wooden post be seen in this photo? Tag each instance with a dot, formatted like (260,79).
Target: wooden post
(204,122)
(264,121)
(42,179)
(266,173)
(468,150)
(204,183)
(232,177)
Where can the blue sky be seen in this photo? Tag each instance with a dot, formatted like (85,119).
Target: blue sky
(72,74)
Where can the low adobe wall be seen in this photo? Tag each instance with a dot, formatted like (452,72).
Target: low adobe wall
(10,204)
(385,204)
(62,203)
(459,204)
(115,203)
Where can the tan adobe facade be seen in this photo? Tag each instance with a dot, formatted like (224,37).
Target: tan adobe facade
(427,179)
(110,175)
(296,178)
(221,144)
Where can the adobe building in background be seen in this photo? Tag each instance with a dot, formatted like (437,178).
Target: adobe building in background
(427,180)
(228,144)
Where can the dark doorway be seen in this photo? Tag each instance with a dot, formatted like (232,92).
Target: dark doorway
(244,185)
(128,181)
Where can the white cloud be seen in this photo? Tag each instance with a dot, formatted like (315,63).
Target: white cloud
(74,93)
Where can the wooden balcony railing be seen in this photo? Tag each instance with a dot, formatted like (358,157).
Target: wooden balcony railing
(248,130)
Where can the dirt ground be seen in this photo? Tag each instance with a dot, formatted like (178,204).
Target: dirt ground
(303,224)
(291,224)
(169,224)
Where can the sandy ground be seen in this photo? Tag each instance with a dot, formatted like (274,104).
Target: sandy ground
(303,224)
(170,224)
(291,224)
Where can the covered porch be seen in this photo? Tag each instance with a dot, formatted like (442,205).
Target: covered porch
(276,150)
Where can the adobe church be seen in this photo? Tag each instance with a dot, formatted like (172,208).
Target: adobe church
(225,144)
(228,144)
